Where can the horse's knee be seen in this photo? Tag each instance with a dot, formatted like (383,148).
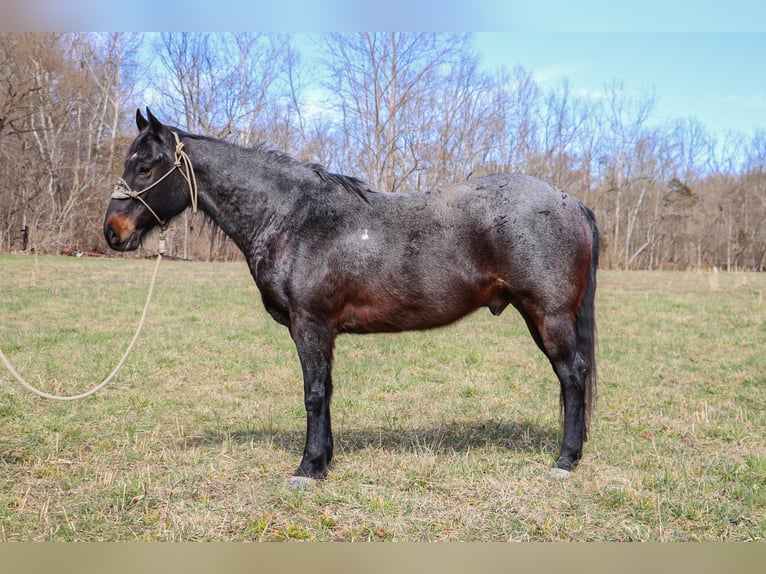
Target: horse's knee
(314,402)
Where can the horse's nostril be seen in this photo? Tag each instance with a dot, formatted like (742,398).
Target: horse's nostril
(111,236)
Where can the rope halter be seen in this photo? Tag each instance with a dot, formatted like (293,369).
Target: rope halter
(182,163)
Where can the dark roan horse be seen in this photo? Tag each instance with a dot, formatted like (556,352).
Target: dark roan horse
(330,256)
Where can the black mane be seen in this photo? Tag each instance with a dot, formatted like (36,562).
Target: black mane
(351,184)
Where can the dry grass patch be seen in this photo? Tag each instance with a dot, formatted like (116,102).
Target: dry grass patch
(445,435)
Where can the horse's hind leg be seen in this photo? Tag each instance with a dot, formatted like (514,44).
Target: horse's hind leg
(556,336)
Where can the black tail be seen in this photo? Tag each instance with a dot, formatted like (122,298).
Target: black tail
(586,326)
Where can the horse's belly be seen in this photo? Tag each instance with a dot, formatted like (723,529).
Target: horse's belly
(418,311)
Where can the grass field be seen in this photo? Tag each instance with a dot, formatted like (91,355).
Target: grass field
(444,435)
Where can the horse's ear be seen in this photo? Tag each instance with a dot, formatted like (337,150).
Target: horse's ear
(141,122)
(156,125)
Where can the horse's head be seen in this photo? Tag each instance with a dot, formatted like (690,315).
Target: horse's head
(157,184)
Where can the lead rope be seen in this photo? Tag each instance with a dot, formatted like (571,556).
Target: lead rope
(114,372)
(123,191)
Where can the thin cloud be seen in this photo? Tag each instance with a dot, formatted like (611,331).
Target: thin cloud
(557,72)
(753,101)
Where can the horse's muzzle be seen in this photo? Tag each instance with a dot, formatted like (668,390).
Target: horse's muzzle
(121,234)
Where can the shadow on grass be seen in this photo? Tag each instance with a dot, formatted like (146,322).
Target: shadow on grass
(450,437)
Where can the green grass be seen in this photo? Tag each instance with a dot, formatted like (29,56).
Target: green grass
(444,435)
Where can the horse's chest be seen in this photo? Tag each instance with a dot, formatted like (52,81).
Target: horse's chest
(270,278)
(274,301)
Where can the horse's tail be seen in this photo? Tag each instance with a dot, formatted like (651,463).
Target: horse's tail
(586,325)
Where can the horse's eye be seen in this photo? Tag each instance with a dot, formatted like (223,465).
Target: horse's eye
(144,169)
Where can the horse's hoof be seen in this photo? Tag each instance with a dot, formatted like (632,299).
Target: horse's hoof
(557,472)
(300,482)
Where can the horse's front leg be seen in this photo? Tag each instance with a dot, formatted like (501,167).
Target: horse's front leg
(314,343)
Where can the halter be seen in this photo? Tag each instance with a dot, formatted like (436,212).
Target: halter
(182,163)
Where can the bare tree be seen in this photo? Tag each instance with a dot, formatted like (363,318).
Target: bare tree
(459,109)
(241,86)
(59,127)
(380,83)
(511,125)
(624,116)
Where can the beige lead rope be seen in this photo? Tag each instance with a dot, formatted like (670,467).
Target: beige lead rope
(122,190)
(111,375)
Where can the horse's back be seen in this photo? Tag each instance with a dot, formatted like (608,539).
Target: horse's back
(529,225)
(429,258)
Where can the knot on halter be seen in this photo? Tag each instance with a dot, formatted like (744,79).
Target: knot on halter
(179,151)
(182,163)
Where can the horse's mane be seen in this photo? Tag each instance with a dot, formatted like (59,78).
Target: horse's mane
(351,184)
(347,182)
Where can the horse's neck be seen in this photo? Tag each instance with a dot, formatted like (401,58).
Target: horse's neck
(243,203)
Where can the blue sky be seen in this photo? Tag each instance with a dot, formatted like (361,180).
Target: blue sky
(718,78)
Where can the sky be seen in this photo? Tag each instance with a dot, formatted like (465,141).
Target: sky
(704,59)
(717,78)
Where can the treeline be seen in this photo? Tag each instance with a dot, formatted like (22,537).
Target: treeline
(405,112)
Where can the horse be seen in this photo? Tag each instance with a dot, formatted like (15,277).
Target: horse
(330,255)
